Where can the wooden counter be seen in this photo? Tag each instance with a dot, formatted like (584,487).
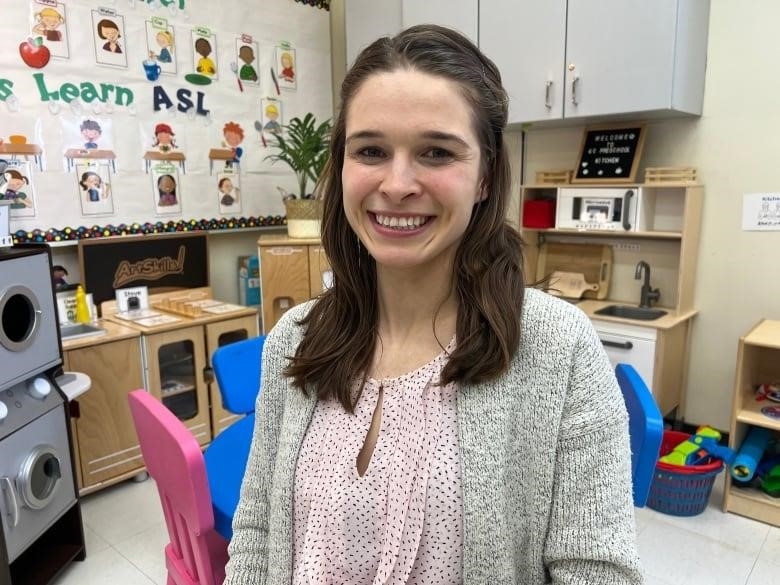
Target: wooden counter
(114,332)
(672,319)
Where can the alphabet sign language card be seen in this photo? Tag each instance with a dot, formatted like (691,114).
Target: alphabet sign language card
(49,21)
(204,49)
(286,66)
(94,188)
(16,186)
(165,189)
(247,65)
(161,47)
(108,35)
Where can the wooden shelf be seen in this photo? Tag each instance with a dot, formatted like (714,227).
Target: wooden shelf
(758,362)
(608,233)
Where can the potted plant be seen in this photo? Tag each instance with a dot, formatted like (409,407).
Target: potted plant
(303,146)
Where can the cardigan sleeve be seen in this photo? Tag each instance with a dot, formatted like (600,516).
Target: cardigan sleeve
(248,564)
(591,537)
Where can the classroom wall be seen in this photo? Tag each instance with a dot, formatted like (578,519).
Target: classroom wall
(34,102)
(734,146)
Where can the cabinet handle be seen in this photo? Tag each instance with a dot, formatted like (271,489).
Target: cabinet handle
(574,81)
(548,94)
(208,375)
(626,202)
(10,497)
(618,344)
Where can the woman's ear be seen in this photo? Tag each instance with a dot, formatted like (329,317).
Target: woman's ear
(482,193)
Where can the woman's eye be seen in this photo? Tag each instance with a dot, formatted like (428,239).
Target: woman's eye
(437,154)
(370,152)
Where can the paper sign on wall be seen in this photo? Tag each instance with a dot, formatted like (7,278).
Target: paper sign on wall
(761,212)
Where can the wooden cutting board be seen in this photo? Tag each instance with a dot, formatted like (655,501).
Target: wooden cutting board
(593,261)
(570,284)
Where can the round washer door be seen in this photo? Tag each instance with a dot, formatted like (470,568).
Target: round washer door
(39,477)
(20,314)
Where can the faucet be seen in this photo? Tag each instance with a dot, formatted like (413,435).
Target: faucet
(648,294)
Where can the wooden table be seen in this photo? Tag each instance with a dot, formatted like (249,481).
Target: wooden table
(156,155)
(25,150)
(225,154)
(73,154)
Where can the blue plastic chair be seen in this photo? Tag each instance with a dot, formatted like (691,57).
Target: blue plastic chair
(237,368)
(645,427)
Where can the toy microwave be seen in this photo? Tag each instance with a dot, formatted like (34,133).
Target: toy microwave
(615,209)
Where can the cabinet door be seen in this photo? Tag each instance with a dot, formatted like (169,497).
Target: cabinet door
(364,22)
(217,335)
(175,362)
(629,344)
(619,56)
(462,15)
(284,272)
(107,442)
(320,276)
(526,39)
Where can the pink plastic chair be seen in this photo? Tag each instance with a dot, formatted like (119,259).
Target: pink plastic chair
(196,555)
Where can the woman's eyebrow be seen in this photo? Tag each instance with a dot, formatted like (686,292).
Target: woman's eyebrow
(429,135)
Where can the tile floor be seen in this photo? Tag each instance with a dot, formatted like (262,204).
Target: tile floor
(126,533)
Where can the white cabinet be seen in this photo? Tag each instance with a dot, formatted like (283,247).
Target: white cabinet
(579,58)
(365,21)
(629,344)
(462,15)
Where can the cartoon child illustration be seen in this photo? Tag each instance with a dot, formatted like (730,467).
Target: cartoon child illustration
(166,188)
(287,73)
(48,21)
(165,40)
(205,65)
(109,32)
(272,115)
(91,131)
(247,72)
(16,182)
(163,138)
(93,185)
(58,274)
(228,193)
(234,135)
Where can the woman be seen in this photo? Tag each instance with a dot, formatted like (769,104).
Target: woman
(92,184)
(109,32)
(434,423)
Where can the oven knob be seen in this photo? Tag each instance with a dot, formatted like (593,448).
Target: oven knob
(38,388)
(3,411)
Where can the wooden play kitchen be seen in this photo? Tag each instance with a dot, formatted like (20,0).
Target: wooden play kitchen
(165,349)
(584,242)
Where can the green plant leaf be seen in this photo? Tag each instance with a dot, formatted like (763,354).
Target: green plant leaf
(303,146)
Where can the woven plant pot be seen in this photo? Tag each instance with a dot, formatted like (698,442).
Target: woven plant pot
(303,217)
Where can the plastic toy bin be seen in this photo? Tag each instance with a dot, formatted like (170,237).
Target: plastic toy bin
(681,490)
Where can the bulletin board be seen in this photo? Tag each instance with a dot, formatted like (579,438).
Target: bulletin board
(146,116)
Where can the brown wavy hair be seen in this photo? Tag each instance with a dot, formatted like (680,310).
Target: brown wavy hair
(341,327)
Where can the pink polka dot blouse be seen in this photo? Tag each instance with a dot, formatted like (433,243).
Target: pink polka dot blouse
(402,521)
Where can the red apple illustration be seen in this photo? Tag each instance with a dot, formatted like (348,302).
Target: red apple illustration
(34,53)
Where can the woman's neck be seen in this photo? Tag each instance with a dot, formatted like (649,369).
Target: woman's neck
(416,305)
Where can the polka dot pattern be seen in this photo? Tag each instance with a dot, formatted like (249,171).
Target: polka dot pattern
(402,521)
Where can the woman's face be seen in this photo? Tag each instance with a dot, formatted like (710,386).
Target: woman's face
(226,186)
(167,185)
(51,22)
(162,40)
(411,172)
(15,184)
(92,181)
(109,33)
(163,138)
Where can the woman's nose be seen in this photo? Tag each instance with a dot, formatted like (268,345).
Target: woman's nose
(400,180)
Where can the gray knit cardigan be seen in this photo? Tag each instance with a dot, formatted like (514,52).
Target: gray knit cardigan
(545,456)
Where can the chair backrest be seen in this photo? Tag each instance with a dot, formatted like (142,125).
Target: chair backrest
(196,554)
(645,427)
(237,367)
